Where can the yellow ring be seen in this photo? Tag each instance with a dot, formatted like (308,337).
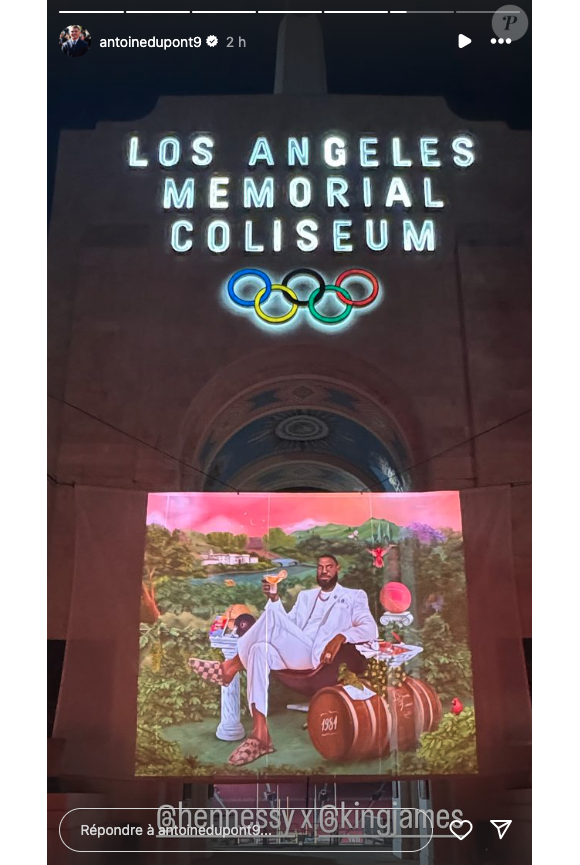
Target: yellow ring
(276,319)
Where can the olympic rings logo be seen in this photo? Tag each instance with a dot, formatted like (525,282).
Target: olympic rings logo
(267,287)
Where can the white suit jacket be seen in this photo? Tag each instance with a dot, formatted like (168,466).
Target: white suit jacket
(348,614)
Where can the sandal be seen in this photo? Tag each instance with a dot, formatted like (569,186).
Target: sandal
(250,749)
(211,671)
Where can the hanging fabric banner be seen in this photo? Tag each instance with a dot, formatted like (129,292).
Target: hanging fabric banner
(243,636)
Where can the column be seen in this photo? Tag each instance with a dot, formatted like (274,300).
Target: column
(230,727)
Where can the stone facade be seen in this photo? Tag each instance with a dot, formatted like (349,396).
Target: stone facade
(143,342)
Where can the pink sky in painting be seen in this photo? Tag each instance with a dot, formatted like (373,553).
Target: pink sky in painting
(253,513)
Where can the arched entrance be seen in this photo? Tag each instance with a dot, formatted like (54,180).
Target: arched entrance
(305,446)
(276,425)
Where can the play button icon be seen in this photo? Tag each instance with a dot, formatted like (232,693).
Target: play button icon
(462,40)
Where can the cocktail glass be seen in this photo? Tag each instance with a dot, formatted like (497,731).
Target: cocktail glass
(274,579)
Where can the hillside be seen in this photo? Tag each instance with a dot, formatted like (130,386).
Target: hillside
(198,544)
(371,531)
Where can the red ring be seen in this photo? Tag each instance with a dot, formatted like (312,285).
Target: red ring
(355,272)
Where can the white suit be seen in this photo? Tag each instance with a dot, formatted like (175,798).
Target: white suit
(295,640)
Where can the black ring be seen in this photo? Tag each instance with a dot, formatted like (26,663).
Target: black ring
(319,291)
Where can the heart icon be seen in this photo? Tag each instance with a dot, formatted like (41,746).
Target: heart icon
(461,828)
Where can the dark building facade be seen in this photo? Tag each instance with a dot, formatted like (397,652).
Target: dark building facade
(161,380)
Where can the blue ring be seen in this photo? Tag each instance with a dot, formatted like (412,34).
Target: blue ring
(248,271)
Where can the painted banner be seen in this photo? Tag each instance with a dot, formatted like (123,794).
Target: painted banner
(304,634)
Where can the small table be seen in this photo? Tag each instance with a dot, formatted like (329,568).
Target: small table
(230,727)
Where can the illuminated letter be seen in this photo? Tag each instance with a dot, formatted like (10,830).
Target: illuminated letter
(213,244)
(306,229)
(136,161)
(177,244)
(382,243)
(429,152)
(202,150)
(398,161)
(250,245)
(261,151)
(341,235)
(335,151)
(277,235)
(182,200)
(263,198)
(368,152)
(398,192)
(300,192)
(425,240)
(428,191)
(367,192)
(462,146)
(169,151)
(335,189)
(217,193)
(298,151)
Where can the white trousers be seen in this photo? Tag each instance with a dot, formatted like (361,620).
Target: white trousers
(274,642)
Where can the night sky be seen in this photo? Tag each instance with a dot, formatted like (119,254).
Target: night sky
(374,54)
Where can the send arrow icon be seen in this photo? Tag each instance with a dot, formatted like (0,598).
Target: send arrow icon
(462,40)
(502,826)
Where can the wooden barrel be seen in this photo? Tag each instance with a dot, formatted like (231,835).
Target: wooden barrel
(343,728)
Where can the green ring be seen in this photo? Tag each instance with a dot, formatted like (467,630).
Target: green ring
(326,319)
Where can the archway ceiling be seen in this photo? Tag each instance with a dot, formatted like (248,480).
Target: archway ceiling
(353,456)
(302,393)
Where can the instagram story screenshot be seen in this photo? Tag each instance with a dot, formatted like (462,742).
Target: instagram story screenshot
(289,435)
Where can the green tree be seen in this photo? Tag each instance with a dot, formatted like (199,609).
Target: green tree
(169,693)
(166,554)
(445,664)
(362,574)
(451,749)
(205,599)
(344,550)
(435,568)
(277,541)
(228,542)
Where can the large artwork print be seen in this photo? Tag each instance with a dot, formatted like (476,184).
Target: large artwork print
(308,633)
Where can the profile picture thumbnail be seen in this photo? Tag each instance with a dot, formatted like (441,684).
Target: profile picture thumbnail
(75,41)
